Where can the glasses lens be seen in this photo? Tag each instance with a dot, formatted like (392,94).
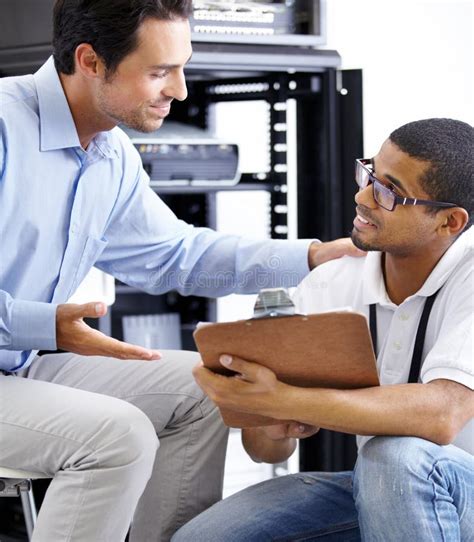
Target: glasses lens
(384,196)
(362,175)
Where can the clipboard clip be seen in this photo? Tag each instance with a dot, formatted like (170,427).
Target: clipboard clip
(273,303)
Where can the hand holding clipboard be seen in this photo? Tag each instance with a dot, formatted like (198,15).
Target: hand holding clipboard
(331,350)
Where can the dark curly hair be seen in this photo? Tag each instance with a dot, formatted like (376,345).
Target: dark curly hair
(109,26)
(447,145)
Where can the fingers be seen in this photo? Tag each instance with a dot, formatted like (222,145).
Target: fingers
(352,250)
(344,247)
(206,378)
(121,350)
(296,429)
(301,430)
(320,253)
(276,432)
(71,311)
(239,366)
(74,335)
(210,382)
(289,430)
(92,310)
(249,390)
(247,370)
(199,370)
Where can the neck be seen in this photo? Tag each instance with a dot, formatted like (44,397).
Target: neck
(405,274)
(87,117)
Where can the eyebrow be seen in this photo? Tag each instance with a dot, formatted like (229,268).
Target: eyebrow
(391,178)
(169,66)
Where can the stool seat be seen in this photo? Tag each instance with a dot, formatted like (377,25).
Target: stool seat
(17,483)
(20,474)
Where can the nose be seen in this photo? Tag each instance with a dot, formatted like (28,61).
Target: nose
(365,197)
(176,87)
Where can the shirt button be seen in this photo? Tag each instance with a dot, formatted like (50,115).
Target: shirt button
(397,345)
(404,317)
(74,228)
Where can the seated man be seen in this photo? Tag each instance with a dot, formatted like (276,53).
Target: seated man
(413,210)
(73,195)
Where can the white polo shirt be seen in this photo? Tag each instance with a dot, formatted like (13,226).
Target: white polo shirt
(448,348)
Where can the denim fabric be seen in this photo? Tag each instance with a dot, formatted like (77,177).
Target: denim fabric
(402,489)
(411,489)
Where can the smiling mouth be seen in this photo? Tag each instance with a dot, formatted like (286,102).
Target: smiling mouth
(161,110)
(361,219)
(364,221)
(165,105)
(361,223)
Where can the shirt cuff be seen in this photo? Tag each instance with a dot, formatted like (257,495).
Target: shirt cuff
(33,325)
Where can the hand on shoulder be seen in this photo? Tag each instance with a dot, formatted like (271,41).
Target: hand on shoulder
(320,253)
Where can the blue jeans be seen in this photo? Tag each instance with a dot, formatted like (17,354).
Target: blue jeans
(402,489)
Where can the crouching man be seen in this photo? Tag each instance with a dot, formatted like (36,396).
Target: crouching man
(414,476)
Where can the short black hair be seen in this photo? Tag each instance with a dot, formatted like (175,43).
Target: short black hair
(447,145)
(109,26)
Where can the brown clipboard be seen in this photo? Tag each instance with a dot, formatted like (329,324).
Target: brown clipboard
(330,350)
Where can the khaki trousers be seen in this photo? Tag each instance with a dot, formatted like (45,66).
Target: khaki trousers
(121,440)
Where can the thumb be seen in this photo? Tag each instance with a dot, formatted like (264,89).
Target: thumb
(92,310)
(346,247)
(356,251)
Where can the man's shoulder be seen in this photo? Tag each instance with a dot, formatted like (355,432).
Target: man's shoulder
(17,90)
(330,285)
(461,278)
(456,269)
(342,269)
(467,260)
(19,112)
(18,107)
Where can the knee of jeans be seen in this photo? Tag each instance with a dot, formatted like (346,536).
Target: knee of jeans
(385,466)
(205,529)
(390,452)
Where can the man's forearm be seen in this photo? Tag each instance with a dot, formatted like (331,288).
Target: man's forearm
(435,411)
(424,410)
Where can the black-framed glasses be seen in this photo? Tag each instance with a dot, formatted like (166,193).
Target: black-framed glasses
(383,195)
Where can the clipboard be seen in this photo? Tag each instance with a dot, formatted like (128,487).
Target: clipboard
(330,350)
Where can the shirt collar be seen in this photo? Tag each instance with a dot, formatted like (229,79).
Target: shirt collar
(57,127)
(373,284)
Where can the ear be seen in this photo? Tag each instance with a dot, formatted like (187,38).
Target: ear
(88,62)
(454,221)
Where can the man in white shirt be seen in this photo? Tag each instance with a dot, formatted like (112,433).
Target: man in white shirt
(414,476)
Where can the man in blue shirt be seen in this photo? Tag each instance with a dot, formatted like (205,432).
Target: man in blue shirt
(73,194)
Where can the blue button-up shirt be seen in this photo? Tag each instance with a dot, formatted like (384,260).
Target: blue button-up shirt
(64,210)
